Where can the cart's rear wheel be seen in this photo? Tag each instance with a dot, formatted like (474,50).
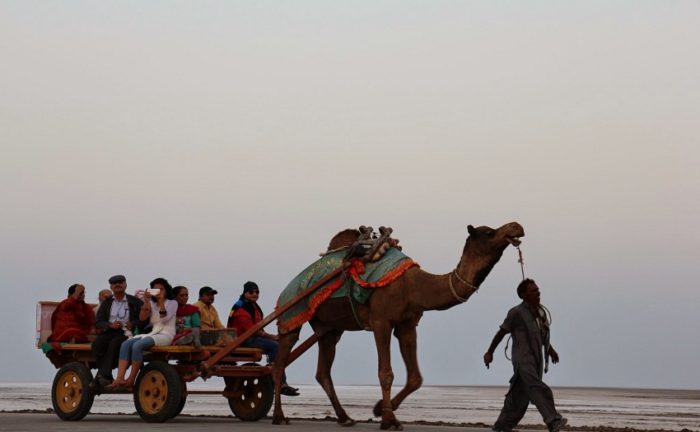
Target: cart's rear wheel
(71,395)
(254,399)
(157,393)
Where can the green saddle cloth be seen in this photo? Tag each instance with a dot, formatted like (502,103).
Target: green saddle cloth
(322,267)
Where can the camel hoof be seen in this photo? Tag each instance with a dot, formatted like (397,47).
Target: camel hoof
(393,424)
(347,422)
(276,420)
(377,411)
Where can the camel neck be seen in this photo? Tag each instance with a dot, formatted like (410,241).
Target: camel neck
(441,293)
(457,286)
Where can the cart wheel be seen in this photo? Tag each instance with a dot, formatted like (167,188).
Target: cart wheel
(183,400)
(157,393)
(255,398)
(71,395)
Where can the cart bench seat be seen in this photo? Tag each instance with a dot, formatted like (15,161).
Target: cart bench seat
(82,352)
(169,349)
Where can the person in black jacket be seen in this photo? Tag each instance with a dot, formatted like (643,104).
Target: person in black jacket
(117,317)
(528,324)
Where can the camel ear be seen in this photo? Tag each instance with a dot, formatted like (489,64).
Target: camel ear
(470,229)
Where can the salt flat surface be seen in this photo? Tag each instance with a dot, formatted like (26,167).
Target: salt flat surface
(636,408)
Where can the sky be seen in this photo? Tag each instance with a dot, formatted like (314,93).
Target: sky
(212,143)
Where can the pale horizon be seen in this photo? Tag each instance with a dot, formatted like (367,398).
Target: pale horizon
(219,142)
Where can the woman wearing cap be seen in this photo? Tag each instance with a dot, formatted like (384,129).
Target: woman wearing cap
(245,313)
(162,310)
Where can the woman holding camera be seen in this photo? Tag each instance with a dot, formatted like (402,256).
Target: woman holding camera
(160,307)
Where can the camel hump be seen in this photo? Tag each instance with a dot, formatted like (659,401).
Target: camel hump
(363,243)
(345,238)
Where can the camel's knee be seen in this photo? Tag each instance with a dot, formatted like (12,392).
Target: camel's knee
(289,339)
(414,382)
(386,378)
(322,378)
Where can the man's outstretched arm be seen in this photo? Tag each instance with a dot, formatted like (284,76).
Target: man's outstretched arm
(553,354)
(488,357)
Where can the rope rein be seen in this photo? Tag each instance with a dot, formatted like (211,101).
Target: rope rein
(521,261)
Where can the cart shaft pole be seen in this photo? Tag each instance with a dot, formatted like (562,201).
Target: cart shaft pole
(267,320)
(301,349)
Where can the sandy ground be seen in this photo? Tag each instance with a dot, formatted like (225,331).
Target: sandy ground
(32,421)
(17,422)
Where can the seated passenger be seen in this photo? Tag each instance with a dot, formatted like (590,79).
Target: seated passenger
(212,326)
(73,319)
(117,317)
(161,309)
(103,295)
(245,313)
(188,322)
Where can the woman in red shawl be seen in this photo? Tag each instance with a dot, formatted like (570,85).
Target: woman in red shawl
(73,319)
(188,321)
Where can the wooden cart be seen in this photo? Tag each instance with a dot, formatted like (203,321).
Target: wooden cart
(160,391)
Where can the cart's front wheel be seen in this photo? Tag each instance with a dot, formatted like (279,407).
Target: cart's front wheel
(183,400)
(157,393)
(254,397)
(70,394)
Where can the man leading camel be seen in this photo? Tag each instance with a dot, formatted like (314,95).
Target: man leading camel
(529,327)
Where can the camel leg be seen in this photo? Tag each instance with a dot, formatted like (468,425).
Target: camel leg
(286,342)
(405,332)
(326,356)
(382,337)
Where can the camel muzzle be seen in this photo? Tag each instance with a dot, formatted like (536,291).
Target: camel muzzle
(515,241)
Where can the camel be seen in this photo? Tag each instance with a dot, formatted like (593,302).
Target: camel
(396,307)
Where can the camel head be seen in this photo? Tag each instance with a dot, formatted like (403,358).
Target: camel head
(485,246)
(485,240)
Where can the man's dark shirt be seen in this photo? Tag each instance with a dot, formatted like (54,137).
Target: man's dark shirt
(529,337)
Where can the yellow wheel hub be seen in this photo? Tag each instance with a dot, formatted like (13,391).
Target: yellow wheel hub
(153,392)
(69,392)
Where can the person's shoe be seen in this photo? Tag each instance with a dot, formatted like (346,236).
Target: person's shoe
(499,428)
(288,390)
(100,382)
(115,385)
(558,424)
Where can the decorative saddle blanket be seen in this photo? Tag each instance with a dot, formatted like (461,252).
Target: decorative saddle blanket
(359,279)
